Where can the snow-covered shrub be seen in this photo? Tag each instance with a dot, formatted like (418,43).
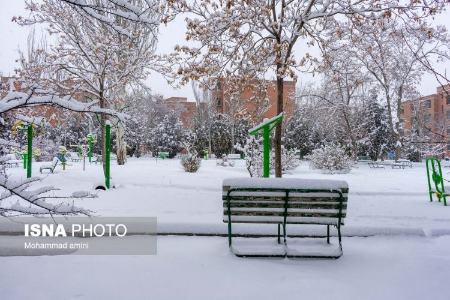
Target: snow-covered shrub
(221,137)
(191,162)
(289,159)
(252,150)
(331,158)
(253,153)
(168,135)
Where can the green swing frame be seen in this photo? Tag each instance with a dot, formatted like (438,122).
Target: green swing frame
(435,180)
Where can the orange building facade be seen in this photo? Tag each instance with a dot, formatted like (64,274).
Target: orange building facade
(431,113)
(186,109)
(258,100)
(253,102)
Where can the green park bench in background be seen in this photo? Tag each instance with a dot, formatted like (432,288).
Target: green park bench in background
(50,166)
(163,155)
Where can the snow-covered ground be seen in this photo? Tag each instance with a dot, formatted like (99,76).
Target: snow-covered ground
(385,268)
(381,200)
(405,257)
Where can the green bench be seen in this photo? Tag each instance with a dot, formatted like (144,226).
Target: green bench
(284,201)
(50,166)
(375,165)
(163,155)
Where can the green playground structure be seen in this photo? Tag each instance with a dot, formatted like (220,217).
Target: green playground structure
(264,129)
(436,180)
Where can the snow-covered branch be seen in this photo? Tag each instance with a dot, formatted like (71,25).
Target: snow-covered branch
(17,99)
(17,198)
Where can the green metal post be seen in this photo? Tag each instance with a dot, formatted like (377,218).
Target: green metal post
(107,154)
(427,161)
(266,152)
(30,150)
(264,128)
(24,156)
(443,195)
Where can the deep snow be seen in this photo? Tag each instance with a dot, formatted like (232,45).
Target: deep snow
(385,268)
(407,258)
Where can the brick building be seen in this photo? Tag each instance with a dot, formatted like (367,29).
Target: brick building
(185,108)
(252,96)
(431,113)
(251,101)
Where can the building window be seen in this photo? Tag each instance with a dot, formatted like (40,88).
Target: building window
(427,104)
(448,114)
(448,100)
(448,131)
(427,118)
(448,147)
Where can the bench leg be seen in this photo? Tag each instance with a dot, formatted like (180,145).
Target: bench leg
(328,234)
(284,233)
(339,236)
(279,240)
(229,233)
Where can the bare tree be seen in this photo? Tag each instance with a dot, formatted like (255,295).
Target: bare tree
(392,51)
(91,60)
(260,35)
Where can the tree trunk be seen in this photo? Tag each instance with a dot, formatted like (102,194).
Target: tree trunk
(398,142)
(391,123)
(280,81)
(121,146)
(103,119)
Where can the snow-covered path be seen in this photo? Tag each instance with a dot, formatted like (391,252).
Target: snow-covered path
(202,268)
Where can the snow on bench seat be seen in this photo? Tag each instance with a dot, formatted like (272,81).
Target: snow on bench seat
(284,183)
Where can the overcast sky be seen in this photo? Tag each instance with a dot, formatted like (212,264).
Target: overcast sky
(14,37)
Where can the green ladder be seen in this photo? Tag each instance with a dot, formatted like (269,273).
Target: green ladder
(434,175)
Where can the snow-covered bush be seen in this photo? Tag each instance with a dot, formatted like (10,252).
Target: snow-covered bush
(331,158)
(252,150)
(253,153)
(289,159)
(221,137)
(168,135)
(191,162)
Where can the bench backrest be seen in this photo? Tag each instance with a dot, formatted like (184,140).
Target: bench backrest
(278,205)
(234,156)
